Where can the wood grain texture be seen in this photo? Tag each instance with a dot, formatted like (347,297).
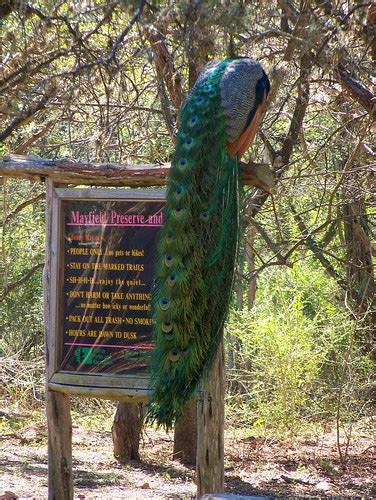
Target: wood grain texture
(60,477)
(100,174)
(60,480)
(126,431)
(185,435)
(210,430)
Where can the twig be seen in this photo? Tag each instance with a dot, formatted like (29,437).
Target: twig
(12,286)
(20,207)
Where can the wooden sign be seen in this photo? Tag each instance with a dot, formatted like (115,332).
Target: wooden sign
(103,247)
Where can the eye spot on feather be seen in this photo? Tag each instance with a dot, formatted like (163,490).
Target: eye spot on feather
(210,90)
(204,216)
(179,212)
(174,355)
(188,143)
(164,303)
(192,122)
(169,238)
(200,100)
(171,280)
(182,163)
(169,336)
(184,352)
(167,326)
(179,191)
(169,260)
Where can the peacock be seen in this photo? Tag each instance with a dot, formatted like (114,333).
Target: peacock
(199,237)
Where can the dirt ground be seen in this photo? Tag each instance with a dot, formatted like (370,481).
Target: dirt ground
(253,466)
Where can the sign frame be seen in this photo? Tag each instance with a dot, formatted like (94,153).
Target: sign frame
(121,387)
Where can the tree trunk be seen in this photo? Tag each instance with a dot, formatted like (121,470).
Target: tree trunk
(360,271)
(185,437)
(250,257)
(126,430)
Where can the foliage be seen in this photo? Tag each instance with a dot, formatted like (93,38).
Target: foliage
(297,361)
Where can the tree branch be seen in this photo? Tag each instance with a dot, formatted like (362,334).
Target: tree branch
(165,65)
(25,115)
(21,281)
(316,249)
(357,90)
(34,137)
(20,207)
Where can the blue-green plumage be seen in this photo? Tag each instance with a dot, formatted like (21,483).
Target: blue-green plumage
(198,242)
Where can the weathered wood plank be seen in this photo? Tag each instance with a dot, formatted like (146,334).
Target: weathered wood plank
(101,386)
(210,430)
(111,194)
(103,174)
(60,477)
(101,380)
(60,480)
(70,172)
(100,392)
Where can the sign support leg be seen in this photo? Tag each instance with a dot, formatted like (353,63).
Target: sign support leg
(59,423)
(60,480)
(210,430)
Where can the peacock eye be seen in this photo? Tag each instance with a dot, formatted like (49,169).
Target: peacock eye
(210,90)
(169,237)
(167,326)
(164,303)
(189,142)
(182,164)
(174,355)
(171,280)
(169,260)
(204,215)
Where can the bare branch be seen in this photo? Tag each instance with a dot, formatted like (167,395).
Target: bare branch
(26,114)
(21,206)
(34,137)
(12,286)
(357,90)
(165,65)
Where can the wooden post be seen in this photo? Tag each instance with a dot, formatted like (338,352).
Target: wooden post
(59,423)
(210,430)
(60,478)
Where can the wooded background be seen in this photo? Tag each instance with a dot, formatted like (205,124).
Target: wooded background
(103,81)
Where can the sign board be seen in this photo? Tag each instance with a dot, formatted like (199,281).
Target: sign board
(103,247)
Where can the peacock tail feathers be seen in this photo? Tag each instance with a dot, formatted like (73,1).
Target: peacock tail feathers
(197,249)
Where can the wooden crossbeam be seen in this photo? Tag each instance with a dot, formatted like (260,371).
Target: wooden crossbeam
(102,174)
